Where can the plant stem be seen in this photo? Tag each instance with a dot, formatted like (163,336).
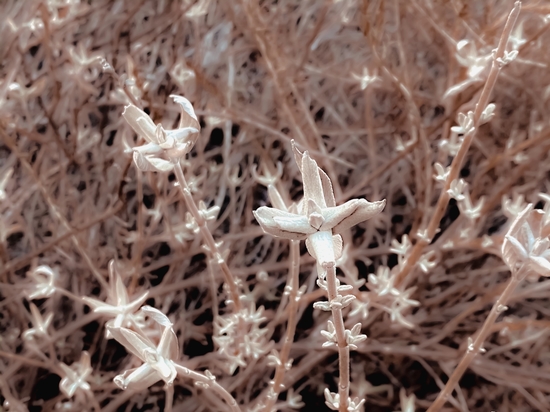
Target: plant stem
(211,245)
(477,344)
(458,160)
(291,325)
(169,399)
(343,348)
(210,384)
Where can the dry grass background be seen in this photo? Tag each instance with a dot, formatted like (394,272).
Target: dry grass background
(362,86)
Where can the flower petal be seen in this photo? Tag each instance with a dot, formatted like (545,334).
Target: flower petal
(181,135)
(101,307)
(328,191)
(276,198)
(168,345)
(140,122)
(148,149)
(540,265)
(513,247)
(321,246)
(133,342)
(136,304)
(188,116)
(137,379)
(149,163)
(313,188)
(283,224)
(352,212)
(157,316)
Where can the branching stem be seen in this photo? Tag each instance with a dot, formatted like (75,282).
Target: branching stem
(458,160)
(476,346)
(291,325)
(209,384)
(211,245)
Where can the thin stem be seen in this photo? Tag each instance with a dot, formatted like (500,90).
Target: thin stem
(211,245)
(474,348)
(169,398)
(209,384)
(343,348)
(291,325)
(56,212)
(457,162)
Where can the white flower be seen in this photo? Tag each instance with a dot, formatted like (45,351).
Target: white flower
(512,207)
(76,375)
(427,261)
(465,123)
(487,114)
(267,179)
(402,248)
(407,402)
(163,146)
(509,56)
(456,189)
(401,304)
(525,246)
(330,335)
(354,336)
(40,325)
(466,207)
(239,336)
(44,277)
(383,282)
(320,218)
(441,172)
(120,308)
(476,64)
(366,78)
(158,360)
(332,400)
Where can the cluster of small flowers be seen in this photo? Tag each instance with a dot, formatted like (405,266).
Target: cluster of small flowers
(75,379)
(240,337)
(332,400)
(386,296)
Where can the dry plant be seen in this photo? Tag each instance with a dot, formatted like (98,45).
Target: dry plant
(161,163)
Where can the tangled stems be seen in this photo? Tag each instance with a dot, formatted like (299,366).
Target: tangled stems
(211,245)
(458,160)
(476,346)
(291,326)
(343,347)
(208,382)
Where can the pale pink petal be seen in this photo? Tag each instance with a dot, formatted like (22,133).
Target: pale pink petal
(313,188)
(168,345)
(283,224)
(188,116)
(137,379)
(349,214)
(133,342)
(140,122)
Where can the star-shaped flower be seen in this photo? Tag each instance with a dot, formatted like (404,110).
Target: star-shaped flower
(40,325)
(158,360)
(525,243)
(44,278)
(163,146)
(120,307)
(76,375)
(318,211)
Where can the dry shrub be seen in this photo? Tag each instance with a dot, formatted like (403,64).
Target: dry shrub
(371,89)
